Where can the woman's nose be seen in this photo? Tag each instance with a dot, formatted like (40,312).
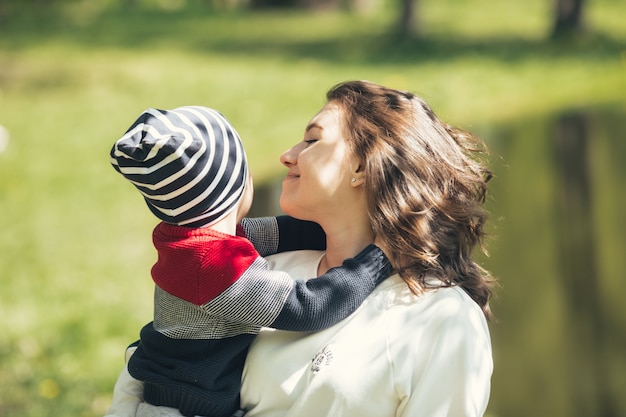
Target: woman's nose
(289,157)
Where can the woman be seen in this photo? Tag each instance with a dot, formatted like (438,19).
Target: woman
(378,163)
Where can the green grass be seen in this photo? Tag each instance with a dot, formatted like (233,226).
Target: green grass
(75,245)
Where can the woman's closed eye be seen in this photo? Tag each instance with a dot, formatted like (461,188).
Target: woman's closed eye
(310,141)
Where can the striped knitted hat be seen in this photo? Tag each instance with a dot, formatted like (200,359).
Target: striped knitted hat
(188,163)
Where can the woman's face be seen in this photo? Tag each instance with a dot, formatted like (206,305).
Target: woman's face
(320,169)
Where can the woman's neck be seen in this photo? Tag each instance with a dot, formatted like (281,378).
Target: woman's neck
(344,242)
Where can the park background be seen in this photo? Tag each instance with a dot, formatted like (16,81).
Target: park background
(550,101)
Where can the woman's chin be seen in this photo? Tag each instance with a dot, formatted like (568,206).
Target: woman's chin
(291,209)
(285,206)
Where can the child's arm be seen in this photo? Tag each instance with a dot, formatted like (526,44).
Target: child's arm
(273,299)
(326,300)
(271,235)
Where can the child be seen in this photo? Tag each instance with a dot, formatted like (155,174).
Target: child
(213,290)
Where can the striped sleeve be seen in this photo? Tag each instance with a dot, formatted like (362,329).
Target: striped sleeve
(322,302)
(273,299)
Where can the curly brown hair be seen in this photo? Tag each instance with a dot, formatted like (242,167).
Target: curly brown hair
(426,184)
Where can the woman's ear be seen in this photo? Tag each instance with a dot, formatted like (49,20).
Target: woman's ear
(358,176)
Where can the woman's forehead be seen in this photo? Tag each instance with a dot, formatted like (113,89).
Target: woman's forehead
(328,117)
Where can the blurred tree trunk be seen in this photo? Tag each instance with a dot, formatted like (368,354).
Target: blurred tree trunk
(586,324)
(318,4)
(568,18)
(408,25)
(359,6)
(294,4)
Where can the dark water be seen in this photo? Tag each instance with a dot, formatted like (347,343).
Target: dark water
(558,246)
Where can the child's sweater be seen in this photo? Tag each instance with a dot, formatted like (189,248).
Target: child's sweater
(213,294)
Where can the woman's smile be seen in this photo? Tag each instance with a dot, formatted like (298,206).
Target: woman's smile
(292,175)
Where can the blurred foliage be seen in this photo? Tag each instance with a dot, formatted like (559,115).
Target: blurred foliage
(75,248)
